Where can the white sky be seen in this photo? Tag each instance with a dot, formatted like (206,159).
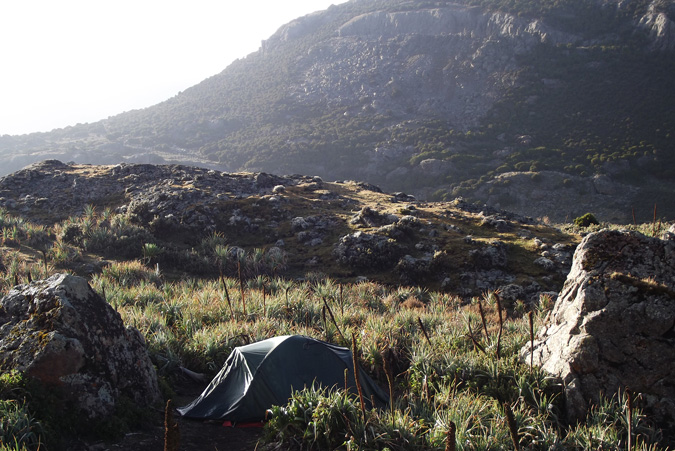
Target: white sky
(64,62)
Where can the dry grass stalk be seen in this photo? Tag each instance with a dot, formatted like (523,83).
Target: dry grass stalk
(424,330)
(241,289)
(513,427)
(450,437)
(357,377)
(330,313)
(227,294)
(531,320)
(171,431)
(323,317)
(476,345)
(44,261)
(342,302)
(629,407)
(386,356)
(501,324)
(482,318)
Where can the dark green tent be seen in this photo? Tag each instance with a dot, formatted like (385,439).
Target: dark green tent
(257,376)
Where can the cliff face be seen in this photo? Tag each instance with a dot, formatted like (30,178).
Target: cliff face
(453,62)
(661,29)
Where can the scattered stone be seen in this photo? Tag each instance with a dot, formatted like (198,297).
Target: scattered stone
(500,225)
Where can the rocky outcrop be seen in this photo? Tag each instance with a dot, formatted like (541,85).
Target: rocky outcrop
(660,27)
(613,324)
(451,20)
(174,197)
(60,332)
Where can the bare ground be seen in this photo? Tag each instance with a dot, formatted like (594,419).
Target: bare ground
(194,435)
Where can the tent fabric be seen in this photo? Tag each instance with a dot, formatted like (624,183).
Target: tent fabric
(257,376)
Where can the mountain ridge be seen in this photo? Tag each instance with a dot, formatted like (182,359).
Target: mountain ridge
(436,98)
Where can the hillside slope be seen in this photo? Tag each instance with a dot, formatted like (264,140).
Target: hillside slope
(196,222)
(432,97)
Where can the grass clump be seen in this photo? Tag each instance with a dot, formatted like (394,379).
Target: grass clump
(20,429)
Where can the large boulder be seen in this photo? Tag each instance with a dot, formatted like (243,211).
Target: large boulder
(61,332)
(612,326)
(367,250)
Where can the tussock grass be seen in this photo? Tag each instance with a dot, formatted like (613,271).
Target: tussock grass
(453,368)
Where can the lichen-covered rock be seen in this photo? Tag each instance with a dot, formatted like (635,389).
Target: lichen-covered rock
(613,324)
(367,250)
(368,217)
(413,270)
(61,332)
(490,256)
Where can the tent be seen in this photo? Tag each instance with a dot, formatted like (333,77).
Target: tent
(259,375)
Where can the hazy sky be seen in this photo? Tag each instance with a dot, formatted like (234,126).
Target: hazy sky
(69,61)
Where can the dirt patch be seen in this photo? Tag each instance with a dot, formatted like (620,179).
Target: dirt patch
(194,435)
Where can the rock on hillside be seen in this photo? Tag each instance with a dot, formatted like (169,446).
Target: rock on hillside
(62,333)
(613,325)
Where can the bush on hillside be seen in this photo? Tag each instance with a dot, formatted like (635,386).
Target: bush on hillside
(586,220)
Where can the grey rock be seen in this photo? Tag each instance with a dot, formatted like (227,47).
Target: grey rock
(545,263)
(490,256)
(299,223)
(61,332)
(500,225)
(612,325)
(368,217)
(366,250)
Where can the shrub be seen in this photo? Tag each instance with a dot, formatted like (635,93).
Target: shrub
(585,220)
